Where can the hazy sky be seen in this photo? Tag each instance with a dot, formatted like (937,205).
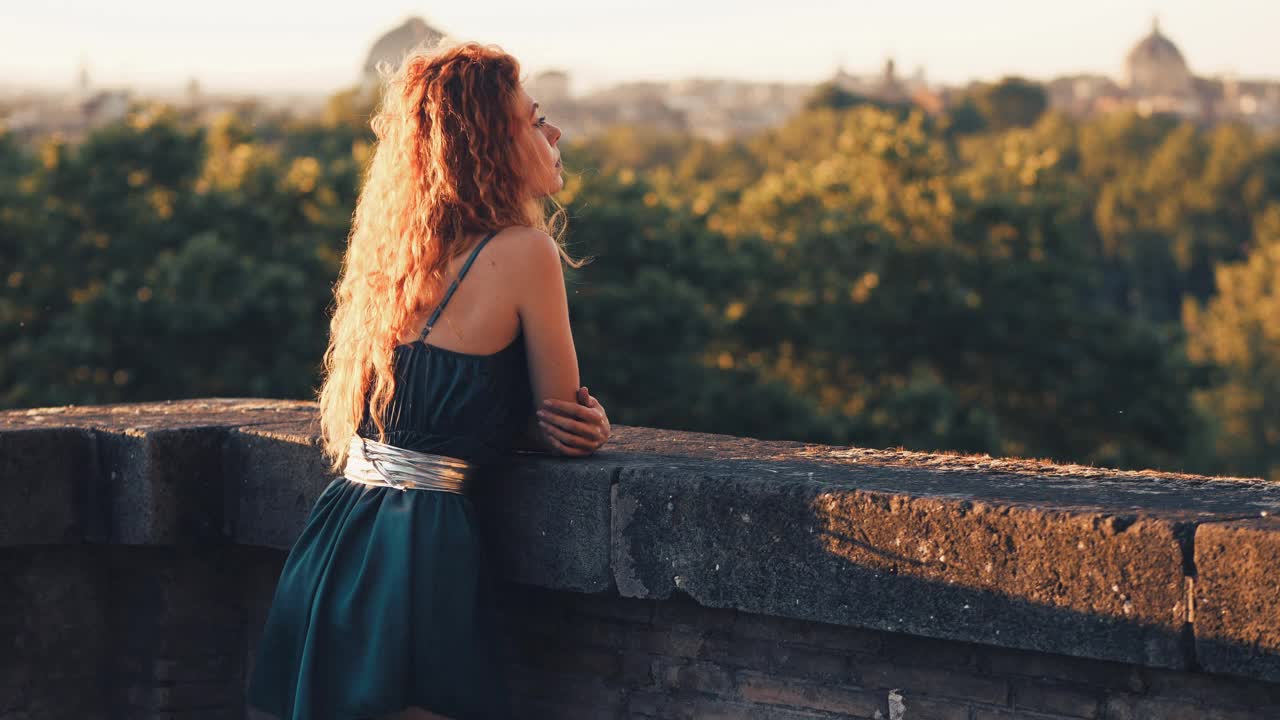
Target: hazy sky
(320,46)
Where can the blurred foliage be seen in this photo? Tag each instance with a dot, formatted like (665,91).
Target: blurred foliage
(830,96)
(1012,102)
(997,279)
(1238,332)
(162,260)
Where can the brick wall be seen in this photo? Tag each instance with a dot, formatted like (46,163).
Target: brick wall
(596,656)
(114,632)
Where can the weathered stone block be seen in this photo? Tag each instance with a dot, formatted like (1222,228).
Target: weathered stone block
(680,610)
(692,706)
(1237,597)
(772,690)
(916,708)
(985,713)
(1210,688)
(639,670)
(697,676)
(163,486)
(801,662)
(274,475)
(548,522)
(1065,580)
(1129,707)
(593,632)
(934,682)
(610,605)
(673,642)
(802,632)
(1042,666)
(53,624)
(46,474)
(1056,699)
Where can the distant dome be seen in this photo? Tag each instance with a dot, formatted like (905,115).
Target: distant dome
(1156,48)
(1155,66)
(396,43)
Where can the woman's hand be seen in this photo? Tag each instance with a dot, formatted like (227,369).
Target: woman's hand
(574,429)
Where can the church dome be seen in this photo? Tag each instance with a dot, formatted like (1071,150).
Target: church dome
(1155,66)
(1156,48)
(392,47)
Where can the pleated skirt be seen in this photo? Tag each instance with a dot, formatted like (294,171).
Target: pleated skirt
(385,601)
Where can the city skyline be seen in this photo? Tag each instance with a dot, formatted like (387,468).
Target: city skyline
(275,43)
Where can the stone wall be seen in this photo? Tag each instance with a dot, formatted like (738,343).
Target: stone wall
(600,656)
(674,575)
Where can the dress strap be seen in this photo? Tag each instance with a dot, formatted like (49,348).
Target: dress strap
(431,321)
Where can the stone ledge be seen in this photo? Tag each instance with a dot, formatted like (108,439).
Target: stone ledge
(1237,597)
(1062,559)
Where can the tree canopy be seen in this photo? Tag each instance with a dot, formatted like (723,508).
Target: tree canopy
(1016,282)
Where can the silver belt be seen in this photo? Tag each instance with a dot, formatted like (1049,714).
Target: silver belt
(373,463)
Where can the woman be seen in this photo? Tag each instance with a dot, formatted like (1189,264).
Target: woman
(384,607)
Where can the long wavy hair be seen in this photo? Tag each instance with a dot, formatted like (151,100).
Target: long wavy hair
(449,161)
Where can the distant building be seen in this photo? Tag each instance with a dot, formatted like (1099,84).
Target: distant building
(1079,95)
(104,107)
(1158,79)
(1155,66)
(888,87)
(83,84)
(70,114)
(394,45)
(713,108)
(550,88)
(192,92)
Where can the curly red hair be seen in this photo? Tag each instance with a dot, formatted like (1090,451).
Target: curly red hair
(448,164)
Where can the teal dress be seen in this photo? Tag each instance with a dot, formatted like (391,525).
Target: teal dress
(386,599)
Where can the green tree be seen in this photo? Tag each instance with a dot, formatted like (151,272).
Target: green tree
(1011,102)
(171,262)
(951,307)
(1238,332)
(830,96)
(650,313)
(863,275)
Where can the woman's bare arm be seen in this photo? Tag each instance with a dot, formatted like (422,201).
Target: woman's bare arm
(543,307)
(569,421)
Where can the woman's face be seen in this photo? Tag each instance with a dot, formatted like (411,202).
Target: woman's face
(546,176)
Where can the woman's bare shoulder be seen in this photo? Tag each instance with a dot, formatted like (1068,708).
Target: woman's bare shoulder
(526,252)
(520,239)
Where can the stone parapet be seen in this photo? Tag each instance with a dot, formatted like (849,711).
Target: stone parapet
(1161,570)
